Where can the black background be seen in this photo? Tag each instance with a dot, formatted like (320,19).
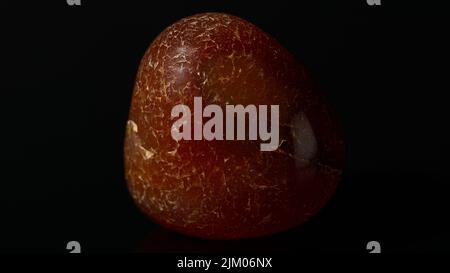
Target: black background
(68,74)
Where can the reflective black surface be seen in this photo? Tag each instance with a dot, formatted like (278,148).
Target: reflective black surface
(66,90)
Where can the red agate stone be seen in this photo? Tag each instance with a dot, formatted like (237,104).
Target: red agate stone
(225,189)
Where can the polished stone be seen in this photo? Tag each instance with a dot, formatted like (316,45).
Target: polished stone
(228,189)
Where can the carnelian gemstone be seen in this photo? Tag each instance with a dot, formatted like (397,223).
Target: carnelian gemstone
(228,189)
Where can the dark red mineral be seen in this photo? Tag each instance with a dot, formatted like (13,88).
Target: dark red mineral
(228,189)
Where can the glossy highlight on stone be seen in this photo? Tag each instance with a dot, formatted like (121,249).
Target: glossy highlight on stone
(228,189)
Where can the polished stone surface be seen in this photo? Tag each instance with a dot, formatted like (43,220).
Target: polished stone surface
(228,189)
